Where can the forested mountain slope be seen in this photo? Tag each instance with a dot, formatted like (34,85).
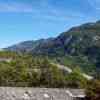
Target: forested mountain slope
(80,44)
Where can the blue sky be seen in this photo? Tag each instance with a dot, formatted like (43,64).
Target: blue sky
(22,20)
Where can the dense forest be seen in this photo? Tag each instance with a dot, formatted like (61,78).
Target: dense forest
(26,70)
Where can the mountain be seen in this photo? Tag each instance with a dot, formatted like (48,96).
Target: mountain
(26,46)
(82,41)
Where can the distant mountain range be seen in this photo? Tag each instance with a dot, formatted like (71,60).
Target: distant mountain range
(83,40)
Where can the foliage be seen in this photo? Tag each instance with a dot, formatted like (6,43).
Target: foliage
(26,70)
(75,79)
(81,61)
(93,90)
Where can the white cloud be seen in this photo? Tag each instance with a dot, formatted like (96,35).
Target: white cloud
(43,9)
(95,4)
(15,7)
(58,16)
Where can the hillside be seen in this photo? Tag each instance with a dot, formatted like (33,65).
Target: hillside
(24,70)
(86,36)
(80,45)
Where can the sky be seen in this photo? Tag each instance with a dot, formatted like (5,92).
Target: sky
(22,20)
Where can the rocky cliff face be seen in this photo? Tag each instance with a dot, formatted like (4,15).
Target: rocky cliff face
(11,93)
